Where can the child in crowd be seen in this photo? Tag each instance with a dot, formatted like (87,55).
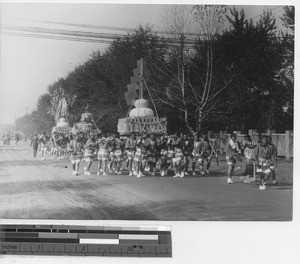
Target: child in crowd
(76,150)
(129,149)
(187,148)
(89,149)
(232,154)
(205,155)
(196,152)
(103,154)
(247,148)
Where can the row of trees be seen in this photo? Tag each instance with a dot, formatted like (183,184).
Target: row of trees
(213,69)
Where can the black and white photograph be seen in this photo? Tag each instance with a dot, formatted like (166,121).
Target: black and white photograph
(147,112)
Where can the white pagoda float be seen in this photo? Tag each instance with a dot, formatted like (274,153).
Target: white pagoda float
(61,115)
(141,118)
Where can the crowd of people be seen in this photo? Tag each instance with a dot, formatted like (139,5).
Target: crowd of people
(7,137)
(163,155)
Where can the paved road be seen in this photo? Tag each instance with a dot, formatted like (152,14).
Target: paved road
(32,188)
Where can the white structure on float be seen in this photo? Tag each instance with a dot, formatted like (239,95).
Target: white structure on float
(141,118)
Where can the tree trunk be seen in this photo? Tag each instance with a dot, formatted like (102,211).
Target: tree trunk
(199,121)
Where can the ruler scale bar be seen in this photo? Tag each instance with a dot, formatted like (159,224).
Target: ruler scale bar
(102,249)
(69,227)
(130,241)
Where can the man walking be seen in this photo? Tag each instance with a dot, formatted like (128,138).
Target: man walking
(34,144)
(43,141)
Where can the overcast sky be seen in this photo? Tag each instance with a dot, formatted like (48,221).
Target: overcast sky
(29,65)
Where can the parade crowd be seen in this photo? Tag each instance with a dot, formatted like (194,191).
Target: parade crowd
(163,155)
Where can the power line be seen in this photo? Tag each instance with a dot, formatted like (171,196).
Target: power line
(61,32)
(57,37)
(270,10)
(100,27)
(278,11)
(76,37)
(107,38)
(71,33)
(77,25)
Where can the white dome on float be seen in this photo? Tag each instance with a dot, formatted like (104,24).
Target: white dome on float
(141,112)
(62,122)
(141,103)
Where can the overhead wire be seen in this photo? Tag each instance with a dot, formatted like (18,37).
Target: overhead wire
(102,27)
(43,32)
(126,29)
(84,36)
(69,38)
(270,10)
(77,25)
(60,31)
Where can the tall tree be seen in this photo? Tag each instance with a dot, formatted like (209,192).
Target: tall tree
(255,95)
(190,88)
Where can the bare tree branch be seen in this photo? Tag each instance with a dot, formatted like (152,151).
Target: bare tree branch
(194,92)
(166,102)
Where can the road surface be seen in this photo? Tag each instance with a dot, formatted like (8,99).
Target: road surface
(35,189)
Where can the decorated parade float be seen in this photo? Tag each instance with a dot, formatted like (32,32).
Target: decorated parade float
(86,125)
(61,116)
(141,118)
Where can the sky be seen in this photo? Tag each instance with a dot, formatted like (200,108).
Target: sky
(30,65)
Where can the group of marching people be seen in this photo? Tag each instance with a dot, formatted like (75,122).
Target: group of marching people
(142,154)
(56,145)
(148,153)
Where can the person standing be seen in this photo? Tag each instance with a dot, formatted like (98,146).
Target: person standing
(111,141)
(76,150)
(118,154)
(89,149)
(178,160)
(59,142)
(103,154)
(17,138)
(187,148)
(247,148)
(196,152)
(151,153)
(43,141)
(232,152)
(129,149)
(34,144)
(205,155)
(140,156)
(53,144)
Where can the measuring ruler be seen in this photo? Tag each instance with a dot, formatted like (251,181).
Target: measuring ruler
(131,241)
